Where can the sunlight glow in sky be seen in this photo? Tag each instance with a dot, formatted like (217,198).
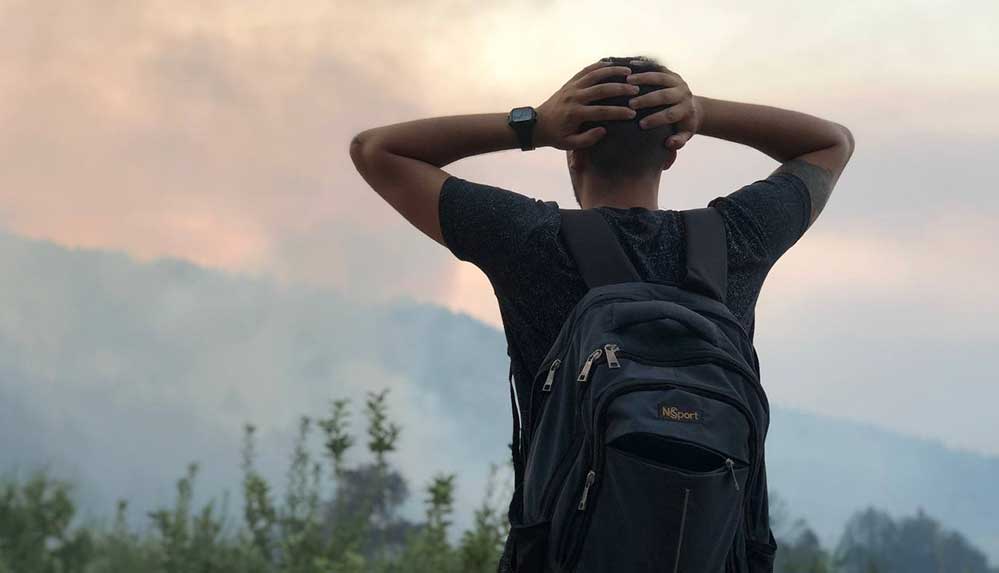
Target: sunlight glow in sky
(217,133)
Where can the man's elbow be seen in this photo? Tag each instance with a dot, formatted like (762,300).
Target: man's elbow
(848,141)
(366,149)
(360,151)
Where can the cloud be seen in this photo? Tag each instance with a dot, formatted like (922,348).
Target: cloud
(888,325)
(217,133)
(942,254)
(201,142)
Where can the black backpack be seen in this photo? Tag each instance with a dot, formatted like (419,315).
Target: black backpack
(642,442)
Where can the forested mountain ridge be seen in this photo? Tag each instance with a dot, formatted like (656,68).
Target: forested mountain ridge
(116,373)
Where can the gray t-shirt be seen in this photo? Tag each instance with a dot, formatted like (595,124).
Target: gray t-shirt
(514,239)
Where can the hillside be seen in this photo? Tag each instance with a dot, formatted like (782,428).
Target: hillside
(117,373)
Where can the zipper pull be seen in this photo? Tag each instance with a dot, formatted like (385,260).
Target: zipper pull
(731,468)
(589,364)
(590,477)
(551,376)
(611,351)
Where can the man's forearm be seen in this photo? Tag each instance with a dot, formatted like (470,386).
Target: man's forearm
(443,140)
(782,134)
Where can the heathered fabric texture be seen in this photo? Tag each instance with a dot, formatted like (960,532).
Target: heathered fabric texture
(514,239)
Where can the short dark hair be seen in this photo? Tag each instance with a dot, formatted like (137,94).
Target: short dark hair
(626,148)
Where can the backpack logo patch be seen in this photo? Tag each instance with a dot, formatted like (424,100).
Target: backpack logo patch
(670,412)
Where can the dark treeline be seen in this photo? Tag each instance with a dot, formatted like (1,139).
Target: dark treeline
(358,528)
(873,542)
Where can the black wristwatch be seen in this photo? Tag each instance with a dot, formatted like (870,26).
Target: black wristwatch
(522,120)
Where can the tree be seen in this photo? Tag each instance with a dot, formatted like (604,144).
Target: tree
(802,552)
(35,532)
(428,550)
(482,546)
(872,540)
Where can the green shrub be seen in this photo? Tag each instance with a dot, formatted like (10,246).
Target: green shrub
(357,530)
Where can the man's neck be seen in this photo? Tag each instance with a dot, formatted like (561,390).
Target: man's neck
(620,192)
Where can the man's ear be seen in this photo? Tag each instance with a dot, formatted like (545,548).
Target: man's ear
(576,159)
(670,158)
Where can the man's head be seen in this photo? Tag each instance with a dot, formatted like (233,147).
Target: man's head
(626,151)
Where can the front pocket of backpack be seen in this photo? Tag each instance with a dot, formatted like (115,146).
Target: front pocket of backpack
(662,506)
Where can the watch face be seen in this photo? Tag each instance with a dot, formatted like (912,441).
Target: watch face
(521,114)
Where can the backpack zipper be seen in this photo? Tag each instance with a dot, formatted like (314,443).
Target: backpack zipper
(551,375)
(591,476)
(569,326)
(585,372)
(731,468)
(728,464)
(611,351)
(546,387)
(582,377)
(614,353)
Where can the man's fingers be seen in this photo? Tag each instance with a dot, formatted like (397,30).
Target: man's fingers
(595,65)
(595,76)
(669,115)
(606,113)
(665,79)
(668,96)
(585,139)
(678,140)
(604,91)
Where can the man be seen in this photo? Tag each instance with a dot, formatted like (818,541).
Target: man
(621,122)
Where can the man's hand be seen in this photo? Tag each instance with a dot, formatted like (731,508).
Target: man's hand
(560,117)
(685,110)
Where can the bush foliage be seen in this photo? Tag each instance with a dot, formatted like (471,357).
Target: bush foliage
(359,529)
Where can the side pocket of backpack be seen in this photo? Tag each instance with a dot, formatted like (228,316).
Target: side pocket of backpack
(736,562)
(530,543)
(761,555)
(760,544)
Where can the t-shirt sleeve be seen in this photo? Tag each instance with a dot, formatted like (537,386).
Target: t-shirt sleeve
(485,225)
(772,213)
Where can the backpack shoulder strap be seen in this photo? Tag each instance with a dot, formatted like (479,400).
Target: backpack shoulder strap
(707,253)
(595,248)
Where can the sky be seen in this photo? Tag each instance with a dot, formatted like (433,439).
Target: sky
(217,132)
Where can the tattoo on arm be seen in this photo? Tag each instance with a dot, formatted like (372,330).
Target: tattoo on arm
(818,180)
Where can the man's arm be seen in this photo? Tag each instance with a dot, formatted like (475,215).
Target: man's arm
(402,162)
(816,150)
